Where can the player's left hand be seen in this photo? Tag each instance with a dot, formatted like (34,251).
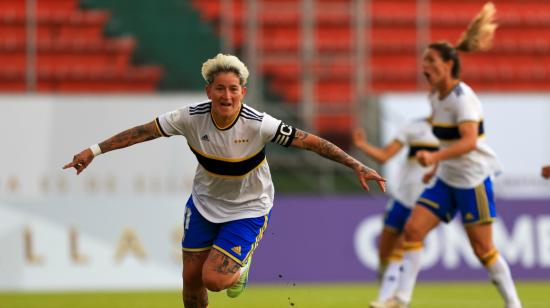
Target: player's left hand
(367,174)
(426,158)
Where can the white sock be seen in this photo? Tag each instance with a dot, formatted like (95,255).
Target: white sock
(500,275)
(245,267)
(411,267)
(389,281)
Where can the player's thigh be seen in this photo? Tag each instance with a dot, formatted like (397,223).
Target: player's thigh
(421,222)
(198,238)
(481,238)
(395,219)
(193,263)
(477,204)
(236,242)
(389,240)
(439,200)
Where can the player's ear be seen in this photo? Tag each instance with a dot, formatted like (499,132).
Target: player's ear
(244,90)
(207,89)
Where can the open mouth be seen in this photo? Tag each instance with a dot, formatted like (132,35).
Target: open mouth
(427,75)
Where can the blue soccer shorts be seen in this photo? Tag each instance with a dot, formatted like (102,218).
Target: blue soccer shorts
(396,216)
(476,205)
(237,238)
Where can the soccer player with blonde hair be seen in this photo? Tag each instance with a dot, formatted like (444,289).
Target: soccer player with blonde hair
(465,165)
(232,193)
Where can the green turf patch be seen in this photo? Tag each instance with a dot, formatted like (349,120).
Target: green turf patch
(428,295)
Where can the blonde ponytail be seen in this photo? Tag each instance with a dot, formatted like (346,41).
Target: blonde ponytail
(479,34)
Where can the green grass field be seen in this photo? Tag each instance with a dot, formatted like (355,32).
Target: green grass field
(463,295)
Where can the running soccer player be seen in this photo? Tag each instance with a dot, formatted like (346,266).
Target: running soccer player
(412,177)
(232,193)
(466,165)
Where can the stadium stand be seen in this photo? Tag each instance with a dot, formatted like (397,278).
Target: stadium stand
(520,59)
(72,54)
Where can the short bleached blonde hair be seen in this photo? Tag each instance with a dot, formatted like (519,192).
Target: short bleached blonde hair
(224,63)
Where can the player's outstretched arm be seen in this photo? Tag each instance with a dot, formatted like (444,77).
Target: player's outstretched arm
(121,140)
(326,149)
(381,155)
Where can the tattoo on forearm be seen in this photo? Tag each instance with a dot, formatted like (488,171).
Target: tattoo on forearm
(129,137)
(331,151)
(300,135)
(325,149)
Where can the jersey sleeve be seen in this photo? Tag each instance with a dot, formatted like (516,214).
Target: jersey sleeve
(173,122)
(403,134)
(274,130)
(467,109)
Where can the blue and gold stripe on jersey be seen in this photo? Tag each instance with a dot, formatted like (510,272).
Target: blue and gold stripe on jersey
(415,147)
(232,167)
(451,132)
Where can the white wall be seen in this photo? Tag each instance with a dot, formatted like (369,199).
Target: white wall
(143,188)
(42,133)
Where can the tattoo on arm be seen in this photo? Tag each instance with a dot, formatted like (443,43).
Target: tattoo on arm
(130,137)
(324,148)
(332,152)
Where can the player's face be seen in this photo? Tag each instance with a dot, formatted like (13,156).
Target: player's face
(434,68)
(226,94)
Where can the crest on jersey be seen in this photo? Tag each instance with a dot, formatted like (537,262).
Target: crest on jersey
(205,138)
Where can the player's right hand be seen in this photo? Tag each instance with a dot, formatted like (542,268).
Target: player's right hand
(427,177)
(81,161)
(358,136)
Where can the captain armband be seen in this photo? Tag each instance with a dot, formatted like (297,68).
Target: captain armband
(284,135)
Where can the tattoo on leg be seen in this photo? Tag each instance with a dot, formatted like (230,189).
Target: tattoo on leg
(224,264)
(194,256)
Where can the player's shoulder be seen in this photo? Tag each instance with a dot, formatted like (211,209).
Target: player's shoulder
(252,114)
(463,93)
(199,108)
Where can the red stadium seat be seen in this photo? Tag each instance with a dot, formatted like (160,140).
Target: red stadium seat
(72,53)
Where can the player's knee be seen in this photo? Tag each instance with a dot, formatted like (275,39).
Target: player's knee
(215,283)
(413,232)
(482,251)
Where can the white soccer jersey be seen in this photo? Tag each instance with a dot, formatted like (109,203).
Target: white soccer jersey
(416,136)
(470,169)
(232,180)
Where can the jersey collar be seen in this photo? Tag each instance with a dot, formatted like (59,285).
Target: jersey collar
(232,122)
